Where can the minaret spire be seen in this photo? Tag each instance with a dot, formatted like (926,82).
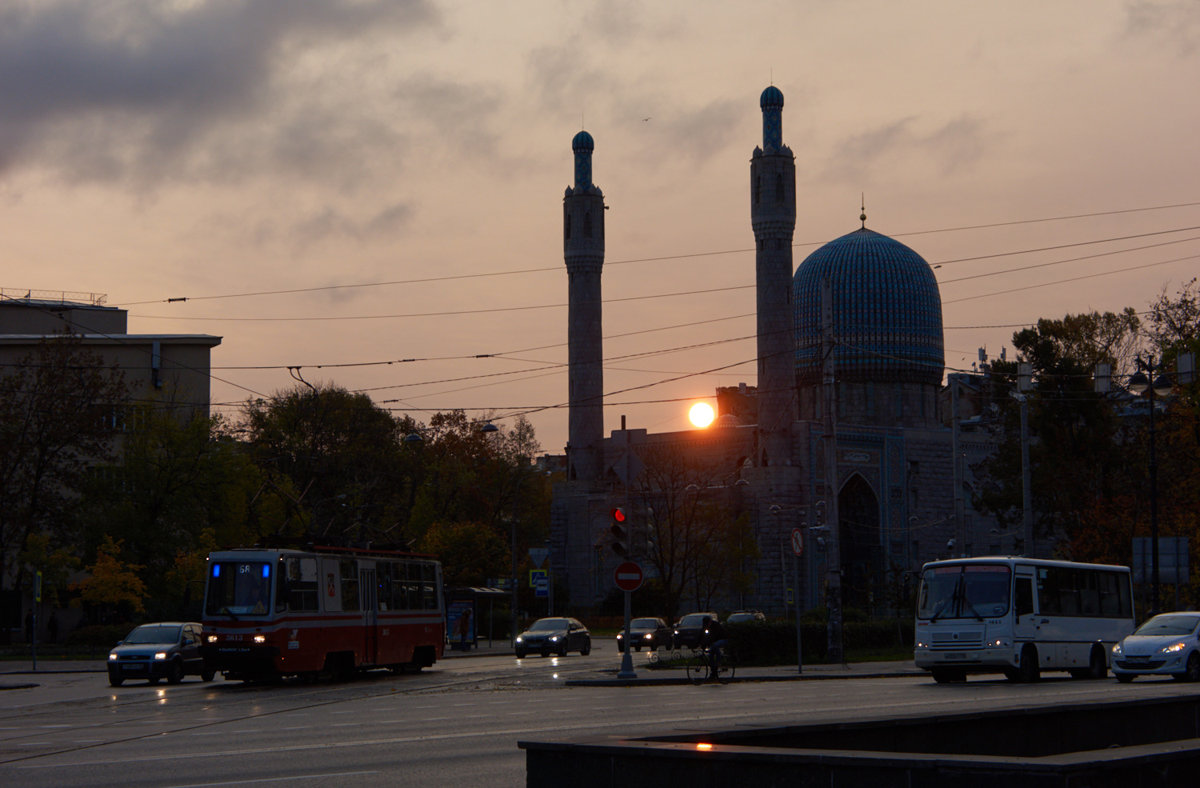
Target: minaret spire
(773,216)
(583,251)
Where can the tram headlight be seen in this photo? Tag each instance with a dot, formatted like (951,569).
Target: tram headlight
(260,639)
(212,639)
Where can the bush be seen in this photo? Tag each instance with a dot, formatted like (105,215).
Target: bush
(774,642)
(98,636)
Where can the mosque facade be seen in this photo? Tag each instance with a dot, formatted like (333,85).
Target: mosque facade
(842,450)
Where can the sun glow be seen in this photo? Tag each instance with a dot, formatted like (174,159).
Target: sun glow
(701,414)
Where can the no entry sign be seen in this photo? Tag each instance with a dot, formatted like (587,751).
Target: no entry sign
(628,576)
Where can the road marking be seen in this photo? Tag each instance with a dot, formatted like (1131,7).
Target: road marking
(274,779)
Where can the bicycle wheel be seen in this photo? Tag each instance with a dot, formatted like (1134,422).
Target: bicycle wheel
(698,668)
(727,668)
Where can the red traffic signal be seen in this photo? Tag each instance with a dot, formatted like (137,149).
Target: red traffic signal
(620,533)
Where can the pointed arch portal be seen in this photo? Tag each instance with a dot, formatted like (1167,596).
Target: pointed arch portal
(860,545)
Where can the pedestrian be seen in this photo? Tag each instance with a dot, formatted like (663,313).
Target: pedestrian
(464,629)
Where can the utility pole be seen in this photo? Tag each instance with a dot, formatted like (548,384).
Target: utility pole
(834,557)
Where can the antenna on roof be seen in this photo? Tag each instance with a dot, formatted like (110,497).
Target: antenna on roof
(862,216)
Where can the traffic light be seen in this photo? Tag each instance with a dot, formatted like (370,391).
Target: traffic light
(620,532)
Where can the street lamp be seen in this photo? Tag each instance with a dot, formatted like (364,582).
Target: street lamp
(1140,384)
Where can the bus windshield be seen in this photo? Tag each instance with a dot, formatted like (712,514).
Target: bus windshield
(975,591)
(238,588)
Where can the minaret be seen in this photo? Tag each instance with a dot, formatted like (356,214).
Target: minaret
(583,249)
(773,216)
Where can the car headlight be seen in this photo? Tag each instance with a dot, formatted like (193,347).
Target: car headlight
(620,636)
(554,638)
(520,639)
(112,656)
(1174,648)
(1116,650)
(649,636)
(160,655)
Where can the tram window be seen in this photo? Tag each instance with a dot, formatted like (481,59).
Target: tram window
(428,587)
(298,584)
(349,572)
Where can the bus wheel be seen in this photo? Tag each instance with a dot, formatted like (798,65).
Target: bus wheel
(1028,670)
(1097,665)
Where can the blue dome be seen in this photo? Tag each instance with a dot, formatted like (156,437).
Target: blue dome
(582,141)
(887,312)
(771,97)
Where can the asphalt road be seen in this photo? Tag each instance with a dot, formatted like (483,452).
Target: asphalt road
(455,724)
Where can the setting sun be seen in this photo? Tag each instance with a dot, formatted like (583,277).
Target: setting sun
(701,414)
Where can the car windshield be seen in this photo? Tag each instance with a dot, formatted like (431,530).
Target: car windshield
(643,623)
(739,617)
(1168,625)
(153,634)
(544,624)
(964,591)
(693,619)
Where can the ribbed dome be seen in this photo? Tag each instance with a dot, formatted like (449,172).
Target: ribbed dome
(887,312)
(771,97)
(582,141)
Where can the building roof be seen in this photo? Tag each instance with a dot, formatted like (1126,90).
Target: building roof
(887,312)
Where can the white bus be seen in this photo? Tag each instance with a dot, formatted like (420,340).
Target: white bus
(1020,616)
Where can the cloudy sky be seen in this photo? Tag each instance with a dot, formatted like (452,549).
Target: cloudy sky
(338,184)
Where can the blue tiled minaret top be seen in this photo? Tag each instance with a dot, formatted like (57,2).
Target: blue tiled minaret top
(583,145)
(771,103)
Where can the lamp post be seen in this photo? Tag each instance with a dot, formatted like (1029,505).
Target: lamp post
(1140,384)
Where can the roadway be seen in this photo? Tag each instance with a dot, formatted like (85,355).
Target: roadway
(457,723)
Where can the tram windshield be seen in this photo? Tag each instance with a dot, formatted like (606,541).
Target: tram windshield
(971,591)
(237,588)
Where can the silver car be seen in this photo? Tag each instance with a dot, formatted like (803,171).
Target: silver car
(1166,645)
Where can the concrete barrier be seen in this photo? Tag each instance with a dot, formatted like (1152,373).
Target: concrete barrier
(1121,744)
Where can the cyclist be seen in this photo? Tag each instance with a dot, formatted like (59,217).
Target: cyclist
(713,638)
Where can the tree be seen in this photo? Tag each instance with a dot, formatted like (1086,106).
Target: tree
(693,537)
(341,452)
(61,406)
(1075,456)
(113,588)
(470,552)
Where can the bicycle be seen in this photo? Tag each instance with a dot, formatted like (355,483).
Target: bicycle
(700,667)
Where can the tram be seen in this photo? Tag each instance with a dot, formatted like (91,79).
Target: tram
(322,610)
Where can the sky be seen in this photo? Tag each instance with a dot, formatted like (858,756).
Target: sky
(370,192)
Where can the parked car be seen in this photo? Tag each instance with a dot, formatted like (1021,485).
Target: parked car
(745,617)
(645,633)
(164,650)
(1166,645)
(559,635)
(689,629)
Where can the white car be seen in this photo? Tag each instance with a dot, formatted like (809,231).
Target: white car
(1166,645)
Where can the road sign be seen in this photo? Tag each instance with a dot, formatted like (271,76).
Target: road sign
(538,555)
(628,576)
(539,580)
(797,541)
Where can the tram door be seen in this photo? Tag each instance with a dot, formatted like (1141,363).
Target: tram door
(370,614)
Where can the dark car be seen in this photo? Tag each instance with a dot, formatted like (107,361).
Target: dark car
(746,617)
(645,633)
(690,628)
(164,650)
(558,635)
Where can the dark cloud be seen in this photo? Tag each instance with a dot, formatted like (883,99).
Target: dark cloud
(1174,22)
(143,90)
(955,145)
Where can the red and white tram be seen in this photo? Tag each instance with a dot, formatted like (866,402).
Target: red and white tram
(270,613)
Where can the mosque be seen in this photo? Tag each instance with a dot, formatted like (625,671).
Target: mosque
(849,450)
